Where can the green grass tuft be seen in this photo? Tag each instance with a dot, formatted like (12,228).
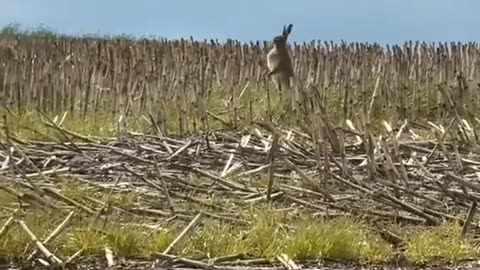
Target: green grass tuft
(444,242)
(128,241)
(214,239)
(16,244)
(30,124)
(266,236)
(162,239)
(88,239)
(342,239)
(269,233)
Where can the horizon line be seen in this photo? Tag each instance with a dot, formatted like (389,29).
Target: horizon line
(16,28)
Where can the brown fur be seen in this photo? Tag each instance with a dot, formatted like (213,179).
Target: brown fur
(279,62)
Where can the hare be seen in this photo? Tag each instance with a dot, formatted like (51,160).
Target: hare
(279,62)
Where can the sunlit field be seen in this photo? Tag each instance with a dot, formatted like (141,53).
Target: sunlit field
(181,153)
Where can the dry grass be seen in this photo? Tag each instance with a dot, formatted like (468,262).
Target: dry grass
(96,92)
(267,235)
(188,86)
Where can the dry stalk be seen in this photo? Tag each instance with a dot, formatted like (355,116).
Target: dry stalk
(403,169)
(305,203)
(433,178)
(468,220)
(271,168)
(451,106)
(54,233)
(109,257)
(390,237)
(161,136)
(369,146)
(61,131)
(308,180)
(44,263)
(106,203)
(6,226)
(328,129)
(374,96)
(264,197)
(348,171)
(445,152)
(150,183)
(182,149)
(442,138)
(224,182)
(28,197)
(187,229)
(74,256)
(390,170)
(382,197)
(132,157)
(228,258)
(462,182)
(287,262)
(164,186)
(54,194)
(227,165)
(188,262)
(71,133)
(220,119)
(50,256)
(12,145)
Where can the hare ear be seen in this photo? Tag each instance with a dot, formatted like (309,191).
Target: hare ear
(287,30)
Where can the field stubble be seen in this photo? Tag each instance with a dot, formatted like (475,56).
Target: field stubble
(171,150)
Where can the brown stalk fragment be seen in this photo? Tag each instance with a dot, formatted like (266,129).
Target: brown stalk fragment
(468,220)
(50,256)
(54,233)
(271,159)
(187,229)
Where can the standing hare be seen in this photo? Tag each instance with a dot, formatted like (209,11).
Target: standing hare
(279,62)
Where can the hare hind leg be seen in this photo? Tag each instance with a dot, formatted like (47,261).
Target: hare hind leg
(278,84)
(290,97)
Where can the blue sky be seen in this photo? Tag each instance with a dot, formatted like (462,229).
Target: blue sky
(383,21)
